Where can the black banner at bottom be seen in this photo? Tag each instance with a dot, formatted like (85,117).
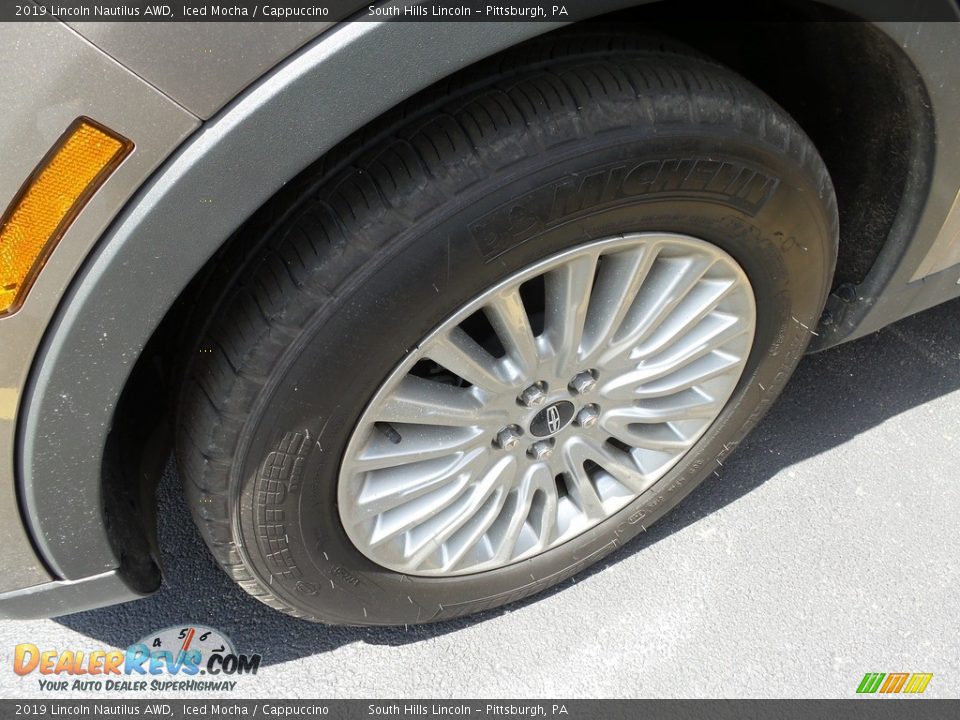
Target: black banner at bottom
(868,709)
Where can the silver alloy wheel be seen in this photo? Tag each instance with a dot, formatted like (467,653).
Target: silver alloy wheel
(546,404)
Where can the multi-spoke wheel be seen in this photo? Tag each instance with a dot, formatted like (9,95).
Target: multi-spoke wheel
(482,347)
(546,404)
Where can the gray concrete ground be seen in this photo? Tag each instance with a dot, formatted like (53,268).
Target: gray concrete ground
(826,548)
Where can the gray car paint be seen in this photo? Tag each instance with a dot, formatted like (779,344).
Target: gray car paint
(946,251)
(202,66)
(219,160)
(51,76)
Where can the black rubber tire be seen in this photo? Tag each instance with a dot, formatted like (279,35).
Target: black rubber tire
(370,249)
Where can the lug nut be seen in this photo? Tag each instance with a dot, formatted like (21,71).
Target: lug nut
(587,417)
(583,382)
(534,395)
(508,438)
(541,450)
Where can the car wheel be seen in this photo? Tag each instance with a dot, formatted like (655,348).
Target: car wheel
(501,332)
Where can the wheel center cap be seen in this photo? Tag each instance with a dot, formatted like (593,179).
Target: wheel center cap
(552,419)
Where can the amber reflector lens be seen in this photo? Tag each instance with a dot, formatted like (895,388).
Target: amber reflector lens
(49,201)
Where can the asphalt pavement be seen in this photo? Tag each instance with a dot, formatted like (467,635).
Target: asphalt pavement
(826,547)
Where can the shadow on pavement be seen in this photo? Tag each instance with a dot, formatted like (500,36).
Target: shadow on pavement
(833,397)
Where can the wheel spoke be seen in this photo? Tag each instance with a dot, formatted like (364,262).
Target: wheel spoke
(688,405)
(568,290)
(711,333)
(669,282)
(614,291)
(697,304)
(430,535)
(417,442)
(575,454)
(509,319)
(660,437)
(536,480)
(470,533)
(392,487)
(427,402)
(689,375)
(619,464)
(415,511)
(460,354)
(650,382)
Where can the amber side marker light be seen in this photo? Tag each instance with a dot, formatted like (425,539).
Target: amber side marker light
(77,165)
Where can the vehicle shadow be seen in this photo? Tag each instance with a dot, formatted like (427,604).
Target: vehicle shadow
(834,396)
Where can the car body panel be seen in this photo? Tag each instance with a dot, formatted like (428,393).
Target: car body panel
(62,597)
(62,408)
(905,278)
(202,66)
(64,77)
(945,252)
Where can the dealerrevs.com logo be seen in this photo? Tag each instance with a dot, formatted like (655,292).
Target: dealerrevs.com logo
(190,659)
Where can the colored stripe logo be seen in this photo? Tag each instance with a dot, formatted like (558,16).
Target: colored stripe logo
(893,683)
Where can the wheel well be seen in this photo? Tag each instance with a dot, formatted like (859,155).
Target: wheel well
(846,83)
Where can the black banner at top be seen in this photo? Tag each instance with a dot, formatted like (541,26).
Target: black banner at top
(329,11)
